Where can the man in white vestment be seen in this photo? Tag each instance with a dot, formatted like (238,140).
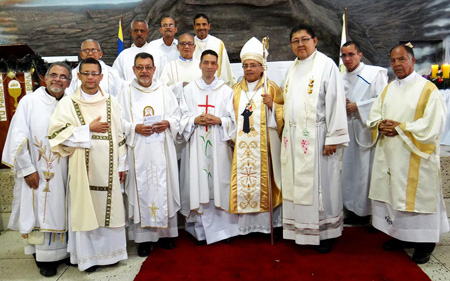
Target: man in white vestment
(407,120)
(205,41)
(151,110)
(86,126)
(314,131)
(184,69)
(39,209)
(111,82)
(250,171)
(362,84)
(207,123)
(124,62)
(167,44)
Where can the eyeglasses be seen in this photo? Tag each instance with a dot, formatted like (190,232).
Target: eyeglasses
(184,44)
(302,40)
(168,25)
(62,77)
(94,74)
(94,51)
(349,55)
(141,68)
(252,65)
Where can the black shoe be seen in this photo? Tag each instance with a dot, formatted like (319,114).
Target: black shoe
(91,269)
(325,246)
(144,249)
(422,252)
(277,234)
(66,261)
(395,245)
(47,271)
(167,243)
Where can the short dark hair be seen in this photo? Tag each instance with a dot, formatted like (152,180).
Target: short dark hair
(198,16)
(90,61)
(357,47)
(208,52)
(62,64)
(408,49)
(305,27)
(143,55)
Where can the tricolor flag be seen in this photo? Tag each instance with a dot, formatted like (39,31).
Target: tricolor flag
(120,38)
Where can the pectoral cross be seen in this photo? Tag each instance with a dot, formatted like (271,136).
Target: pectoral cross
(206,105)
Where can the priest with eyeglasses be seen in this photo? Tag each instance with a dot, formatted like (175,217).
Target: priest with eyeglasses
(86,126)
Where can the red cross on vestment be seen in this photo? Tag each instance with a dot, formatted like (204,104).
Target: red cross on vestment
(206,106)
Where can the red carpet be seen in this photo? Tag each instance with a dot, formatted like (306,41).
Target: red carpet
(357,255)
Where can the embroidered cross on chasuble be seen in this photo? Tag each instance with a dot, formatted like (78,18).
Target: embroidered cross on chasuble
(206,105)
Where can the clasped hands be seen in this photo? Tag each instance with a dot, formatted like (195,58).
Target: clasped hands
(206,119)
(387,127)
(147,130)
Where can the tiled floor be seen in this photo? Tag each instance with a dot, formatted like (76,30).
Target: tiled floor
(14,265)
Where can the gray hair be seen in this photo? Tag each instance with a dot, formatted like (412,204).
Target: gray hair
(138,20)
(62,64)
(91,40)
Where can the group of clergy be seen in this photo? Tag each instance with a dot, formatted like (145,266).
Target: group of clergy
(167,131)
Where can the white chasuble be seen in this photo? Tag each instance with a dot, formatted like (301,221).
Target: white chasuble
(152,184)
(26,151)
(96,198)
(249,178)
(209,153)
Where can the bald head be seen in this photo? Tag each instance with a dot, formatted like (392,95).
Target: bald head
(91,49)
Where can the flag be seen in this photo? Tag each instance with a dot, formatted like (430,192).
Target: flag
(120,38)
(343,40)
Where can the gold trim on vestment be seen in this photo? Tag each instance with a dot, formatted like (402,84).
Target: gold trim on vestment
(264,154)
(98,188)
(219,71)
(97,137)
(25,140)
(414,161)
(111,164)
(57,132)
(413,182)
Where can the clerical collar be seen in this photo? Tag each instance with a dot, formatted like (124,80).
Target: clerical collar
(133,45)
(183,59)
(88,97)
(407,79)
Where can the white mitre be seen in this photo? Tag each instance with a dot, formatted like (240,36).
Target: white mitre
(252,50)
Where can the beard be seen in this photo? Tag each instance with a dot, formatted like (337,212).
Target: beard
(55,89)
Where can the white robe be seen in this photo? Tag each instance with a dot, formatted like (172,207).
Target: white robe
(406,183)
(168,53)
(37,212)
(362,86)
(91,241)
(111,82)
(179,71)
(152,182)
(125,61)
(213,43)
(207,191)
(315,116)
